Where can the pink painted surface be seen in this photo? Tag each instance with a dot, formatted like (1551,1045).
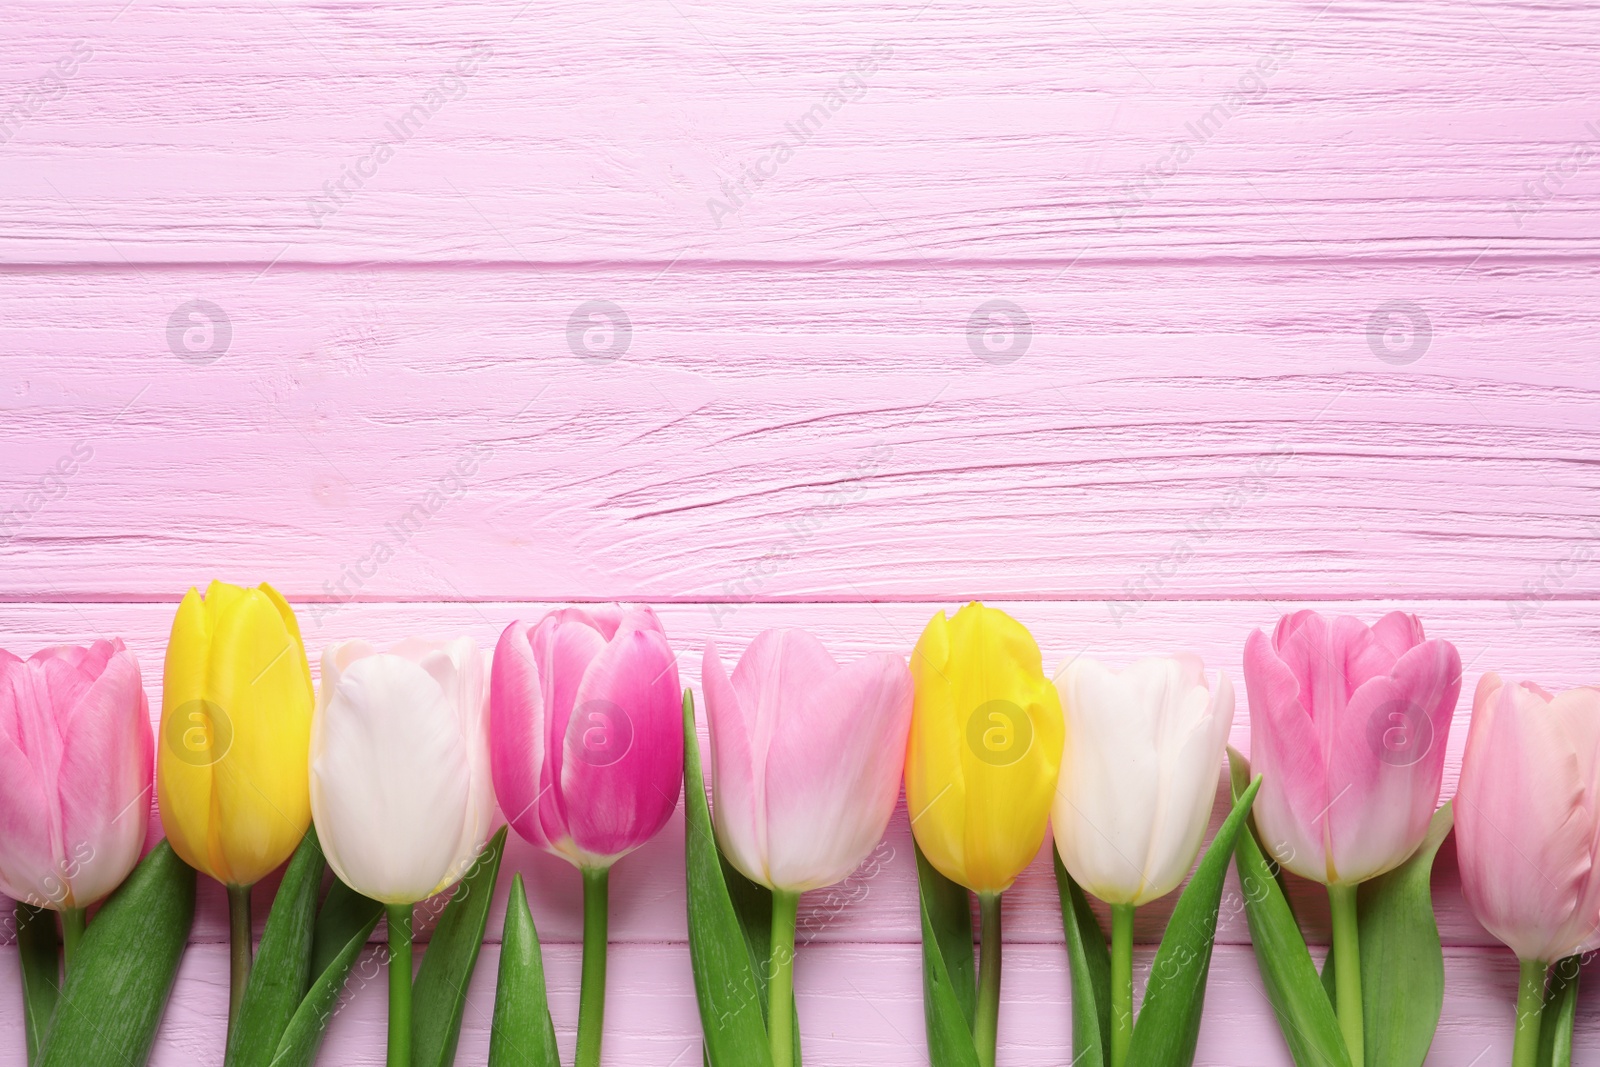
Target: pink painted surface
(1342,351)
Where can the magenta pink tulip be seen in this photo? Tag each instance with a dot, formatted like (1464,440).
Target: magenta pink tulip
(586,751)
(1347,729)
(76,757)
(1528,817)
(806,757)
(586,731)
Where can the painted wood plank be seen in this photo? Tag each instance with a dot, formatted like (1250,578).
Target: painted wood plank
(1559,646)
(1162,432)
(858,1004)
(909,130)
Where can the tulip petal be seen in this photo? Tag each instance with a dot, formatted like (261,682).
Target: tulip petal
(1139,773)
(1286,751)
(1387,762)
(834,769)
(998,690)
(1523,828)
(256,679)
(106,764)
(563,653)
(29,844)
(623,748)
(936,787)
(738,773)
(1105,803)
(390,779)
(517,732)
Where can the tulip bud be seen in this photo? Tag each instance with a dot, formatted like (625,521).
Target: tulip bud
(984,750)
(75,763)
(400,787)
(806,757)
(587,728)
(1139,773)
(235,724)
(1528,818)
(1347,729)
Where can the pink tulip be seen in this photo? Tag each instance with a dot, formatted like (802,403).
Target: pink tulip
(1528,817)
(586,731)
(1348,727)
(806,757)
(76,756)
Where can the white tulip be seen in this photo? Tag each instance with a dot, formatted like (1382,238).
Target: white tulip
(400,787)
(1139,772)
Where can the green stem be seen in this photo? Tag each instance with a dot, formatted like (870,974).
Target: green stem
(72,923)
(780,987)
(986,1026)
(1121,982)
(1530,1006)
(592,998)
(1347,968)
(238,948)
(399,919)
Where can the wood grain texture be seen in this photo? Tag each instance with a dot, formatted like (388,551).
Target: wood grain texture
(428,433)
(1027,129)
(304,292)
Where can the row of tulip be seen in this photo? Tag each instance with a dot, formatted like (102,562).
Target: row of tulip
(579,733)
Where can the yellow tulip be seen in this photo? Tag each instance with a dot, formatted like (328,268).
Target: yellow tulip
(985,748)
(235,733)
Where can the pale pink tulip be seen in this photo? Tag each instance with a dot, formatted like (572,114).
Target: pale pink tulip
(1347,729)
(1528,817)
(76,756)
(806,757)
(586,731)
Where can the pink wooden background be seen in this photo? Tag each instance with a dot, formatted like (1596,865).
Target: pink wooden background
(1310,291)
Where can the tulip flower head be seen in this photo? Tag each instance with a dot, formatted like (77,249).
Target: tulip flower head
(400,787)
(1348,725)
(235,726)
(1139,772)
(75,765)
(1528,817)
(587,727)
(984,747)
(806,757)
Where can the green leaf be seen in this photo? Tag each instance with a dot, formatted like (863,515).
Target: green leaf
(725,980)
(1402,964)
(1305,1014)
(39,947)
(1090,965)
(522,1034)
(123,969)
(439,997)
(1168,1026)
(1560,1008)
(344,913)
(949,977)
(282,969)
